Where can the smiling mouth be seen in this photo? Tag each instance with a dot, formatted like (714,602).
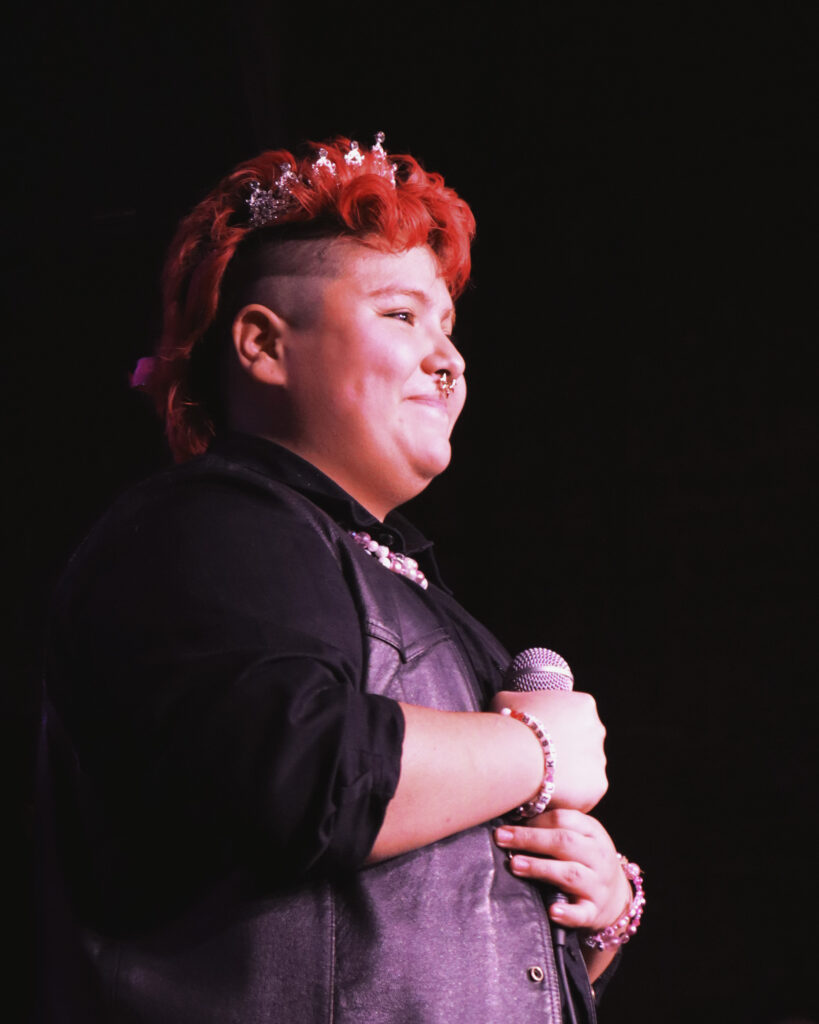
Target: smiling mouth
(436,403)
(437,400)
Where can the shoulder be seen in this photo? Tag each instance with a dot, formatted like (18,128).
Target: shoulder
(211,501)
(205,528)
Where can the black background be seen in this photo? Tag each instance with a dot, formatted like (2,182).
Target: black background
(633,478)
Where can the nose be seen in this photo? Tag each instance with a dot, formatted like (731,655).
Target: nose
(444,356)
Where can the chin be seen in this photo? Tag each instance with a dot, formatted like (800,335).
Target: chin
(434,464)
(419,470)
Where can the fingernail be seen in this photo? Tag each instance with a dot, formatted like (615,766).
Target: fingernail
(504,835)
(557,911)
(520,863)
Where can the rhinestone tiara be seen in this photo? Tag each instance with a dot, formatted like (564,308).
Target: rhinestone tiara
(267,206)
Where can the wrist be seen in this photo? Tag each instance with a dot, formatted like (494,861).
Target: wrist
(621,930)
(540,800)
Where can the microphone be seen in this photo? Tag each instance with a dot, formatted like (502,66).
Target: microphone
(538,668)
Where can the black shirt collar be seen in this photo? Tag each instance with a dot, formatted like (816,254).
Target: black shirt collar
(280,463)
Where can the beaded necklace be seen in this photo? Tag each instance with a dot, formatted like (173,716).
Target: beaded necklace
(402,565)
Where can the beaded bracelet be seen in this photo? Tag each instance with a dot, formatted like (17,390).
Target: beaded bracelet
(624,927)
(547,787)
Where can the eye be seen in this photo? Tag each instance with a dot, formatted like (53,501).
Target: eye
(406,315)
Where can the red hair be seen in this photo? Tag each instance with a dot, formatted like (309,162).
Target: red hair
(356,202)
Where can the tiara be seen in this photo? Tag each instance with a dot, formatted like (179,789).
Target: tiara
(268,206)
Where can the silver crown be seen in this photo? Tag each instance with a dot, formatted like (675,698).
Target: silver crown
(267,206)
(380,162)
(354,158)
(323,163)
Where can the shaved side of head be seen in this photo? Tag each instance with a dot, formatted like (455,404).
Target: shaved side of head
(287,277)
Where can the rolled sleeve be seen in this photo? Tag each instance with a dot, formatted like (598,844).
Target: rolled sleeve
(207,661)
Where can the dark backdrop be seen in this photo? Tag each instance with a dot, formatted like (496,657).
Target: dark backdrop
(631,481)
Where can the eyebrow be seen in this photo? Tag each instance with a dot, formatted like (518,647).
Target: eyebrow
(414,293)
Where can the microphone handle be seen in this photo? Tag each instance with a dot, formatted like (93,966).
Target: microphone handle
(558,931)
(538,668)
(559,939)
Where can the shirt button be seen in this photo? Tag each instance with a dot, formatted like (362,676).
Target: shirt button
(388,539)
(536,973)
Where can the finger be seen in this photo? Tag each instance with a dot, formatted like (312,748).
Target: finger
(581,914)
(568,876)
(560,843)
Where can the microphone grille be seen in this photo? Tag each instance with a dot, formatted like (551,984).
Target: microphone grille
(538,668)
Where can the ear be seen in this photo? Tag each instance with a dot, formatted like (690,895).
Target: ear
(258,336)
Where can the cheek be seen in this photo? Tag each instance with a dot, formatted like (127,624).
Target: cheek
(376,368)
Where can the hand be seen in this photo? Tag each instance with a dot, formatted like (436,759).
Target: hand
(577,735)
(574,853)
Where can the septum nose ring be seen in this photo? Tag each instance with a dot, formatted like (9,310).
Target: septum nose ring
(446,382)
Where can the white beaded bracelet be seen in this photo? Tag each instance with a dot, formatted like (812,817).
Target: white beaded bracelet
(624,927)
(547,787)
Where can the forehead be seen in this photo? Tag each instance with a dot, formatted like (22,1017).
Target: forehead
(309,276)
(367,272)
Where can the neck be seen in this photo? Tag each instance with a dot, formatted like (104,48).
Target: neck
(378,505)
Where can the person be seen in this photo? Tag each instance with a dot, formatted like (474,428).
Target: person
(278,787)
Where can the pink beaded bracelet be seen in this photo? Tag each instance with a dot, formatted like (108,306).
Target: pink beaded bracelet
(624,927)
(547,787)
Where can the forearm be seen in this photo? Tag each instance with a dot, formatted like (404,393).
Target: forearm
(597,960)
(461,768)
(457,770)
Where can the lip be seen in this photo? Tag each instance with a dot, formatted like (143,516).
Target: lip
(435,402)
(433,398)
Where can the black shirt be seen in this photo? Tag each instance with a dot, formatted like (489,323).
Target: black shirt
(207,662)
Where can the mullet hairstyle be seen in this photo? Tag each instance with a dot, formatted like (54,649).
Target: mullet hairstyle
(354,203)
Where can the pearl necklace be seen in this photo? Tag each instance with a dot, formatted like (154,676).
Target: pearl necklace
(402,565)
